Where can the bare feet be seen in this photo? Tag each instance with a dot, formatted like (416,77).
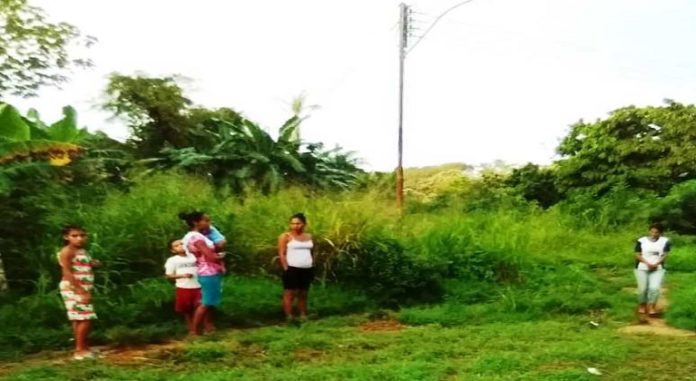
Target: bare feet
(642,309)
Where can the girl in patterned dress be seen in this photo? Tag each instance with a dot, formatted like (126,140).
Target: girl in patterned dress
(76,285)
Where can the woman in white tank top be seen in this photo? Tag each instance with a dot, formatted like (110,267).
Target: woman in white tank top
(295,253)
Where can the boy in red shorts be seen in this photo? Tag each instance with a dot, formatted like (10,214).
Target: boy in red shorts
(181,267)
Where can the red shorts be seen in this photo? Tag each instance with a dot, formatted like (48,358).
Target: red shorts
(187,299)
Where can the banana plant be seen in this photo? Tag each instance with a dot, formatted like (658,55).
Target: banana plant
(28,138)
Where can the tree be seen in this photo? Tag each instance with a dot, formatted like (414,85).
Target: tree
(535,184)
(155,109)
(202,121)
(299,108)
(650,148)
(244,155)
(327,169)
(33,51)
(170,133)
(677,209)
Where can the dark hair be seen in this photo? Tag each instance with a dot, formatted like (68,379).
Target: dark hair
(299,216)
(657,226)
(67,229)
(171,242)
(191,218)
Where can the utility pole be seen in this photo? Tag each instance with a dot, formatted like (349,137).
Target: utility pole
(404,31)
(403,43)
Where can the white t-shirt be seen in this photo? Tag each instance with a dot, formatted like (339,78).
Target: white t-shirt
(652,251)
(183,264)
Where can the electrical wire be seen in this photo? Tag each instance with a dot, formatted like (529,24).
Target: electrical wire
(450,9)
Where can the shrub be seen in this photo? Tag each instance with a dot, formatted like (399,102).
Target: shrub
(677,209)
(535,184)
(388,273)
(620,207)
(470,247)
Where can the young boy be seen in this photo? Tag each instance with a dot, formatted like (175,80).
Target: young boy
(181,267)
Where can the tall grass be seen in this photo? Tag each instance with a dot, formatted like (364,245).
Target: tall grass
(506,261)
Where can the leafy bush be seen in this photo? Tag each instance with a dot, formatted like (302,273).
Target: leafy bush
(620,207)
(677,209)
(388,273)
(536,184)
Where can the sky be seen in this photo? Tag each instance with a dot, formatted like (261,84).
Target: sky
(494,80)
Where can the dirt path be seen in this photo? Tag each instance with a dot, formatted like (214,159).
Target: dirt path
(152,353)
(112,355)
(655,325)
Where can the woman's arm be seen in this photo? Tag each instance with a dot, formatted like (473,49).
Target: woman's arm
(209,254)
(639,258)
(220,245)
(639,254)
(282,250)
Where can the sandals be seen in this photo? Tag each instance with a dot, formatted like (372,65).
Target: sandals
(84,356)
(90,355)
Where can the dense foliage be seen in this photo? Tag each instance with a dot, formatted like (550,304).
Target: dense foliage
(648,148)
(492,238)
(169,132)
(497,243)
(33,51)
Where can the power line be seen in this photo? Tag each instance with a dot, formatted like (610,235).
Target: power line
(437,19)
(405,31)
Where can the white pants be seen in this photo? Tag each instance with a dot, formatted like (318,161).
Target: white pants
(649,283)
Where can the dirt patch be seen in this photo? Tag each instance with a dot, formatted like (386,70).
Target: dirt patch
(382,326)
(308,354)
(655,325)
(140,354)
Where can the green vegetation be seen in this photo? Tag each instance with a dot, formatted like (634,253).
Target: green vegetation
(33,51)
(502,274)
(338,349)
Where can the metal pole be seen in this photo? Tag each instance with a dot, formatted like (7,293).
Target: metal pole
(403,42)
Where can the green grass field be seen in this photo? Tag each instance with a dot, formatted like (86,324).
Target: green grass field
(498,339)
(503,293)
(338,349)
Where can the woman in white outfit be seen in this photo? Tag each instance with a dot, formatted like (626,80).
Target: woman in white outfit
(651,252)
(295,253)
